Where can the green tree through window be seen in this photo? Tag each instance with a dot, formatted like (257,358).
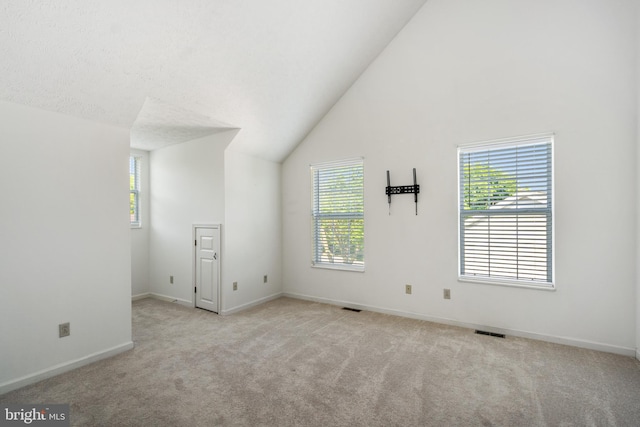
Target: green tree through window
(485,186)
(134,191)
(338,214)
(506,211)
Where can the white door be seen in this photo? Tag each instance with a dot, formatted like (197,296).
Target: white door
(207,267)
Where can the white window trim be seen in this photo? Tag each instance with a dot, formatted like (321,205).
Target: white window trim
(137,224)
(342,267)
(324,265)
(510,142)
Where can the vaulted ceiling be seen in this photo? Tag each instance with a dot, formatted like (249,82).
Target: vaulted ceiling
(171,70)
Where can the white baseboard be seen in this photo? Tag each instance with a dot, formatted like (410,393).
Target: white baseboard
(62,368)
(140,296)
(625,351)
(251,304)
(167,298)
(161,297)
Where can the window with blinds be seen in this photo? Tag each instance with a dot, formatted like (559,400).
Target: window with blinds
(134,193)
(506,211)
(337,214)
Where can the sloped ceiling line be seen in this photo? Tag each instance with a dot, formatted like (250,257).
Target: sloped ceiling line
(160,124)
(272,67)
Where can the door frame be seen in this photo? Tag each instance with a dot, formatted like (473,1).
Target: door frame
(194,260)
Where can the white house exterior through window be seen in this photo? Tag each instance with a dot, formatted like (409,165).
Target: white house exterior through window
(506,212)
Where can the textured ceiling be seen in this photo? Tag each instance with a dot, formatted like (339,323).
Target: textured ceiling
(159,124)
(169,69)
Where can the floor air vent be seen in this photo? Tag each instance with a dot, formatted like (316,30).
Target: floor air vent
(351,309)
(491,334)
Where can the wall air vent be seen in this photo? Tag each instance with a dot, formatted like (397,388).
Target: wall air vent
(491,334)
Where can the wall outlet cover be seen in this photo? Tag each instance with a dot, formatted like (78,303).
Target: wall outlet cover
(64,329)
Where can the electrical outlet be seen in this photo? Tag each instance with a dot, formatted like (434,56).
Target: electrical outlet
(235,286)
(407,289)
(265,279)
(64,329)
(171,280)
(447,294)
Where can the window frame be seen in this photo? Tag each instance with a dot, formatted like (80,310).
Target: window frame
(528,140)
(135,192)
(316,262)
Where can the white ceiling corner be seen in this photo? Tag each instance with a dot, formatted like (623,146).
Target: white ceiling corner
(270,67)
(159,124)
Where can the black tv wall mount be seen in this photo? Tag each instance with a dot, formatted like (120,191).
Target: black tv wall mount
(403,189)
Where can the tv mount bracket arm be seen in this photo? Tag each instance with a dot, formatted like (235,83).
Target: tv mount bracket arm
(403,189)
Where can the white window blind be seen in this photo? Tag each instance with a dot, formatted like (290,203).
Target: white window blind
(134,193)
(506,211)
(338,214)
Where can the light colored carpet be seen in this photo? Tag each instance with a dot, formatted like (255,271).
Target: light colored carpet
(290,362)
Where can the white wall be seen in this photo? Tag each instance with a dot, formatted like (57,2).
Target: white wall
(638,186)
(140,235)
(464,71)
(187,188)
(64,243)
(253,233)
